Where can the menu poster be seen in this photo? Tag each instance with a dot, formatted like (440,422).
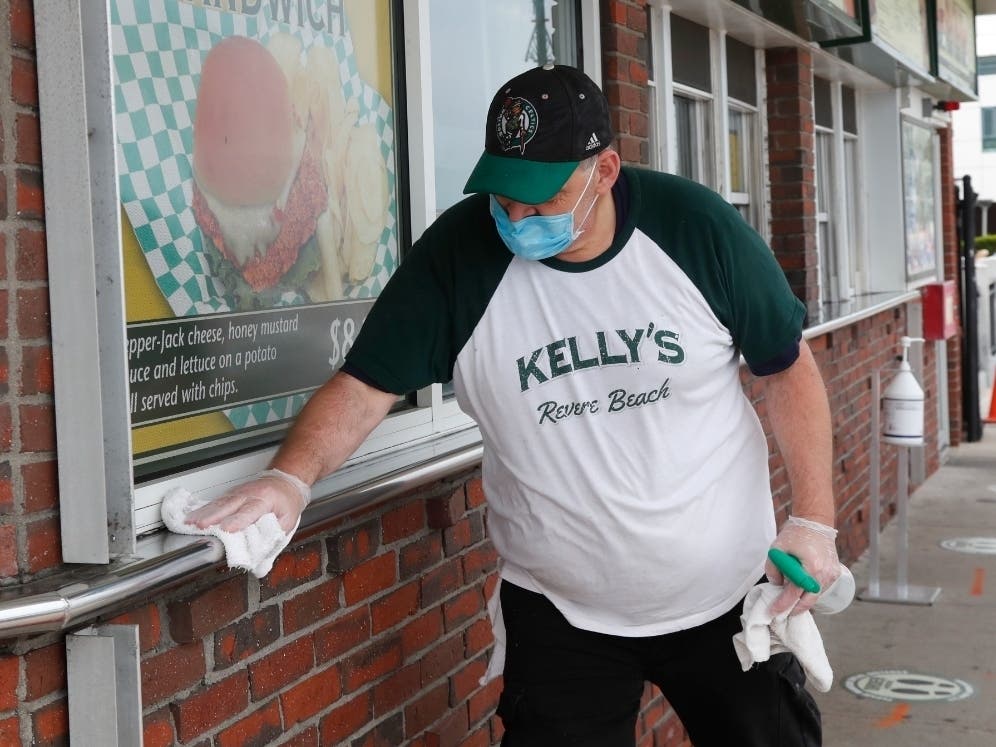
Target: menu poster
(919,201)
(257,174)
(956,43)
(902,24)
(847,6)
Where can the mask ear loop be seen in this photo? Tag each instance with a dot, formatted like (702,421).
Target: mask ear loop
(576,233)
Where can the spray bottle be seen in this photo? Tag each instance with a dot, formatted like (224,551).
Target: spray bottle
(902,403)
(835,599)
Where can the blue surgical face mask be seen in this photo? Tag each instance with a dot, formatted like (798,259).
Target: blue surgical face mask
(540,236)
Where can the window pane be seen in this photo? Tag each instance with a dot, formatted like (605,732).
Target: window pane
(740,76)
(739,151)
(690,54)
(694,139)
(988,128)
(850,109)
(262,221)
(531,33)
(823,106)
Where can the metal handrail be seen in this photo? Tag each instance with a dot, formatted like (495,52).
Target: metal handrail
(168,560)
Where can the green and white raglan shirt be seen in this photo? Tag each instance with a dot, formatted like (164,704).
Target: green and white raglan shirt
(625,471)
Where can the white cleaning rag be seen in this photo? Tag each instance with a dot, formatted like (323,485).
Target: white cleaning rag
(253,548)
(765,634)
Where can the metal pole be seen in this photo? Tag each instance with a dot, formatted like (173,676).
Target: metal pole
(970,302)
(902,518)
(876,498)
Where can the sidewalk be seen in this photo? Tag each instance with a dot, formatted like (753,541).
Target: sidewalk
(935,665)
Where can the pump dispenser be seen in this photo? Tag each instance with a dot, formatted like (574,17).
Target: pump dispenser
(902,403)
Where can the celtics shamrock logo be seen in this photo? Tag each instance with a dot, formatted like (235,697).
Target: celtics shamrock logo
(517,123)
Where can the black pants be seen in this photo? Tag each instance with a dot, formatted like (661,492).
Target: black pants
(565,686)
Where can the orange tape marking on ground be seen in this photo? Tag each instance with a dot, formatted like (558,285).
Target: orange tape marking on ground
(978,582)
(895,717)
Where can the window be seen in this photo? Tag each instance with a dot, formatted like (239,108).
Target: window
(836,167)
(532,33)
(693,101)
(705,89)
(245,279)
(989,128)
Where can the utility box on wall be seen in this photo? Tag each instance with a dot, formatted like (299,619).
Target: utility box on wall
(939,319)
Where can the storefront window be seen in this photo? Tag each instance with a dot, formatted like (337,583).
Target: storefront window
(741,83)
(258,177)
(533,32)
(919,200)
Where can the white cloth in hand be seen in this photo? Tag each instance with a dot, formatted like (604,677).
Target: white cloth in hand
(253,548)
(764,635)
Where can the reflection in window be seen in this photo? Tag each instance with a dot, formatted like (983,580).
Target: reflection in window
(989,128)
(476,47)
(743,155)
(824,230)
(693,132)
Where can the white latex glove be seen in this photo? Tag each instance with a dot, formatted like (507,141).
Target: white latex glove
(270,491)
(815,546)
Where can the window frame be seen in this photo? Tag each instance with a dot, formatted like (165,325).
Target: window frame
(103,519)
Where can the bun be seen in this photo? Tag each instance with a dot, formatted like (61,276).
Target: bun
(243,128)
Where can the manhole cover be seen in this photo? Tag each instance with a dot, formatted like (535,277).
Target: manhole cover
(971,545)
(900,684)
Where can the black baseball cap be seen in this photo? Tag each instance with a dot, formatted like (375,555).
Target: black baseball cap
(541,125)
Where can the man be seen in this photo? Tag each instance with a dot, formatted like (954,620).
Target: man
(592,319)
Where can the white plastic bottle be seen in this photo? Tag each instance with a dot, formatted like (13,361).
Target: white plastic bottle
(839,596)
(902,404)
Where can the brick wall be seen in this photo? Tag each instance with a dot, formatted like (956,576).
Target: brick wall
(373,632)
(952,270)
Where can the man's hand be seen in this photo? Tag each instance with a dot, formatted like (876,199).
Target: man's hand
(814,544)
(271,491)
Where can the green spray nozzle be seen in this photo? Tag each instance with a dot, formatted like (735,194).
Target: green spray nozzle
(793,570)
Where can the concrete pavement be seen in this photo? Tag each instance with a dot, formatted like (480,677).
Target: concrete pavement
(910,675)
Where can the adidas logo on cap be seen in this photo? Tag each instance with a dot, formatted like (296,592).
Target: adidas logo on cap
(593,142)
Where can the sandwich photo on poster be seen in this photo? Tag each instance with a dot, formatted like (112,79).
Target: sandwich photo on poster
(256,170)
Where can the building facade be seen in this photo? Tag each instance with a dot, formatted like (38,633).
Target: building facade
(151,340)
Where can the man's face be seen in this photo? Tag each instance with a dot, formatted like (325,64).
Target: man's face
(562,202)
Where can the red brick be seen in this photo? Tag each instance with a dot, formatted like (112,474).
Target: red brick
(372,663)
(44,548)
(341,635)
(10,729)
(259,729)
(446,511)
(482,703)
(245,637)
(32,255)
(311,606)
(3,207)
(442,659)
(479,738)
(149,625)
(441,582)
(171,672)
(28,136)
(353,546)
(10,676)
(6,428)
(478,637)
(294,567)
(211,706)
(4,296)
(475,493)
(462,608)
(30,197)
(22,24)
(33,313)
(390,610)
(416,557)
(23,81)
(391,692)
(36,371)
(371,577)
(4,372)
(422,632)
(426,710)
(346,720)
(457,537)
(310,696)
(403,521)
(279,669)
(465,682)
(451,730)
(157,729)
(479,562)
(8,551)
(197,616)
(388,733)
(37,428)
(45,671)
(41,485)
(51,725)
(6,489)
